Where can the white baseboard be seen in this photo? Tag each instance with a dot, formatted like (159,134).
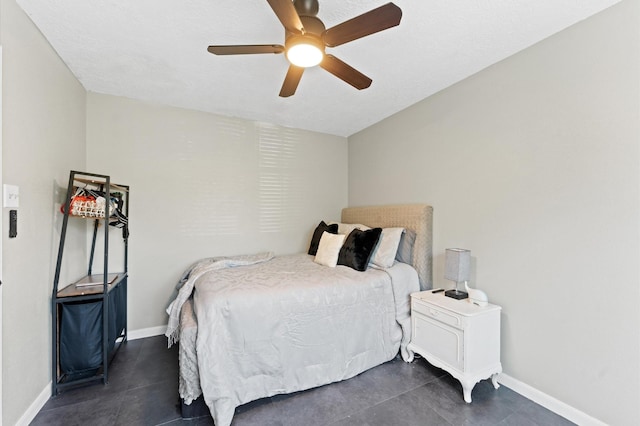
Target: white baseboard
(44,396)
(549,402)
(146,332)
(35,407)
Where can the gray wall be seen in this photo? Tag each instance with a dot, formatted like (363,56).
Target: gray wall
(534,165)
(204,185)
(43,133)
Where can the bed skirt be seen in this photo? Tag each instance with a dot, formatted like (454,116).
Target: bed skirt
(197,408)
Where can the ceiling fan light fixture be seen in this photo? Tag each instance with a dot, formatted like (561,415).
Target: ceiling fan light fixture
(304,51)
(306,37)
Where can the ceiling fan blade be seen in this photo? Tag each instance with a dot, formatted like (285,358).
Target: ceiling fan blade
(246,49)
(375,20)
(345,72)
(294,74)
(286,13)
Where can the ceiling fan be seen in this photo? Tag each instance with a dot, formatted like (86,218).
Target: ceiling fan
(306,39)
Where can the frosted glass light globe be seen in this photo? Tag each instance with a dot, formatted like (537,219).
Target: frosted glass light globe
(304,55)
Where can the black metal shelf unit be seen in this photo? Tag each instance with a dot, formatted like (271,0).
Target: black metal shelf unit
(89,317)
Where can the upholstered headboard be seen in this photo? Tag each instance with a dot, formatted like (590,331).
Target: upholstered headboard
(417,217)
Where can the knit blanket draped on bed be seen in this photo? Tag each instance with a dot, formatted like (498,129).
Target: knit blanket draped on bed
(188,280)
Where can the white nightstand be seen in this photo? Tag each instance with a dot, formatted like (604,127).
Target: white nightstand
(457,336)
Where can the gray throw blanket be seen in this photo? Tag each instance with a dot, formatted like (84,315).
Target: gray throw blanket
(187,282)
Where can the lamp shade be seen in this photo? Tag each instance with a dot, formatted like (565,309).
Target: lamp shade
(457,265)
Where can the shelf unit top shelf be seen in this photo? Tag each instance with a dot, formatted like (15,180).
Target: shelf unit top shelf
(86,181)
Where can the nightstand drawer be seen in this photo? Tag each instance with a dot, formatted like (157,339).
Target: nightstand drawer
(437,314)
(440,341)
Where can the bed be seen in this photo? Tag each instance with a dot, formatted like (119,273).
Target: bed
(249,327)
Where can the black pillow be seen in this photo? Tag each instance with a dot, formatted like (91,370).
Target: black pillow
(317,234)
(358,247)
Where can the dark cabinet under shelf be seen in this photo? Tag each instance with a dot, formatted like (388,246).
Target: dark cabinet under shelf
(89,317)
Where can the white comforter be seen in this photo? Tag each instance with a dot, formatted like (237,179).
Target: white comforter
(289,324)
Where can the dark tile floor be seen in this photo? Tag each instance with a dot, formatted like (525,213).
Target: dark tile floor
(143,390)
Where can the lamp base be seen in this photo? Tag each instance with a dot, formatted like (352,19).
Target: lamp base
(456,294)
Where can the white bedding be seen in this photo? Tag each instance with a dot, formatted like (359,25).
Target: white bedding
(289,324)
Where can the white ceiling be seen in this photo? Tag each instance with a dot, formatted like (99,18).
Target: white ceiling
(156,51)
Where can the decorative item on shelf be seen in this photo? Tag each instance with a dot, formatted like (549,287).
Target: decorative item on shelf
(458,269)
(477,297)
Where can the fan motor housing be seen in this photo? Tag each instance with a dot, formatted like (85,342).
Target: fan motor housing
(313,28)
(312,25)
(310,39)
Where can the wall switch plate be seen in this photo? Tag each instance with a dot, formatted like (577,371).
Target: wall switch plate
(11,195)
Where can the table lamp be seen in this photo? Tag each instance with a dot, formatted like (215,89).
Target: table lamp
(457,268)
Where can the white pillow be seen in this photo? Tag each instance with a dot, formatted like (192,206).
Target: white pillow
(329,249)
(385,252)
